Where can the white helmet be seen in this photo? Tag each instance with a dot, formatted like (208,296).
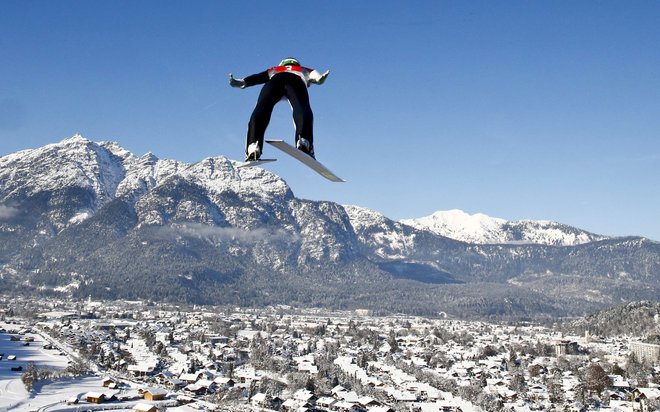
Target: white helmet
(290,61)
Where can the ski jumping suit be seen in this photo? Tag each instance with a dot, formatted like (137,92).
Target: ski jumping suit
(282,82)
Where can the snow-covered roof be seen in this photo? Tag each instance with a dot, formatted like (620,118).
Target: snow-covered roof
(156,391)
(260,397)
(143,406)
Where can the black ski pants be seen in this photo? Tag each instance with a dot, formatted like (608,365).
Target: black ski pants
(282,86)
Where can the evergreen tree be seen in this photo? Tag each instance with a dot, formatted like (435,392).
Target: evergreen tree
(555,391)
(30,376)
(595,378)
(391,340)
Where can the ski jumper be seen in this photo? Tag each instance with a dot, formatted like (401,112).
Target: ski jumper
(282,82)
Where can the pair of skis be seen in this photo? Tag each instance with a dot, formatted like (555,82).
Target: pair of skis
(303,157)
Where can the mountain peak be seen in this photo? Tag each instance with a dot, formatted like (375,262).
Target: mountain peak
(99,172)
(483,229)
(76,139)
(148,158)
(461,216)
(459,225)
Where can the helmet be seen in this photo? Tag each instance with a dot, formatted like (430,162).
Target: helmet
(290,61)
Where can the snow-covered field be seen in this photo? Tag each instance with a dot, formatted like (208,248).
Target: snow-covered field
(47,395)
(13,395)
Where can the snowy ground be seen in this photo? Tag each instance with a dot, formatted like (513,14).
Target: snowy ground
(12,391)
(47,395)
(52,396)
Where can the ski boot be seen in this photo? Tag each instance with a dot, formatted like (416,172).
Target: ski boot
(253,152)
(305,146)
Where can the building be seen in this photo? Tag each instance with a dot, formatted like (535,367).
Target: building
(145,407)
(109,383)
(95,397)
(155,394)
(645,352)
(565,347)
(646,397)
(260,400)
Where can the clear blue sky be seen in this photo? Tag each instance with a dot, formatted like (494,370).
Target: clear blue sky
(516,109)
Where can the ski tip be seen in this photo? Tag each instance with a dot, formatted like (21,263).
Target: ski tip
(250,163)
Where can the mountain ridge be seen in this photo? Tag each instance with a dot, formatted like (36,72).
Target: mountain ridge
(483,229)
(79,218)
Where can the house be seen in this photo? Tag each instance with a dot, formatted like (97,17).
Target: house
(224,382)
(141,369)
(166,378)
(155,394)
(190,377)
(337,389)
(646,393)
(289,405)
(325,402)
(246,376)
(381,408)
(618,382)
(211,366)
(95,397)
(401,396)
(218,340)
(260,400)
(276,402)
(445,406)
(308,367)
(509,395)
(145,407)
(184,399)
(645,396)
(209,385)
(348,396)
(176,383)
(164,337)
(495,382)
(576,407)
(367,402)
(305,397)
(624,406)
(195,389)
(109,383)
(343,406)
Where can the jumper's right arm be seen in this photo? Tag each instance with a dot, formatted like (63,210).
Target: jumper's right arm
(259,78)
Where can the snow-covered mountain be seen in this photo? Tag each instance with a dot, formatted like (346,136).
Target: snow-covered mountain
(83,218)
(482,229)
(105,171)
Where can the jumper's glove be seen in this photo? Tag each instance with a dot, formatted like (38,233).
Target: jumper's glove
(236,82)
(319,78)
(323,77)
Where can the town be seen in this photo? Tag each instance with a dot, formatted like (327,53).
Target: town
(143,356)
